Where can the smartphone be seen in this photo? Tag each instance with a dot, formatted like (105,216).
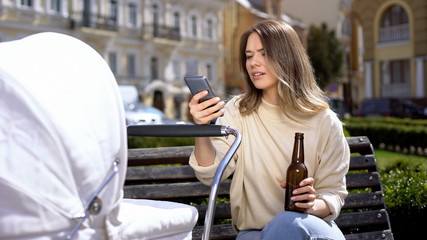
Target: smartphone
(197,84)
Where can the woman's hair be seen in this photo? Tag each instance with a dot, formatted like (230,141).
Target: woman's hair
(287,59)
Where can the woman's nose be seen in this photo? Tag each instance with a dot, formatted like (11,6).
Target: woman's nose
(255,60)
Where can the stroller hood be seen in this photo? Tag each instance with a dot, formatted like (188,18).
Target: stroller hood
(62,126)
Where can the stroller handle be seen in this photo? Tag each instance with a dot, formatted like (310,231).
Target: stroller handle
(177,130)
(180,130)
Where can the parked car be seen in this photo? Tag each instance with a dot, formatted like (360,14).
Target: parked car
(137,114)
(391,107)
(413,110)
(380,107)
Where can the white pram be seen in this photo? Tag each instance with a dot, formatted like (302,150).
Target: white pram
(63,149)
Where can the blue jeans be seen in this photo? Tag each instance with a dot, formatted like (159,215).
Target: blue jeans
(294,226)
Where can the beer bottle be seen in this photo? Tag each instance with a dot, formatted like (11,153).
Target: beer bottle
(296,172)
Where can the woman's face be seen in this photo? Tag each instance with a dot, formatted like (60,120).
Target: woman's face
(256,65)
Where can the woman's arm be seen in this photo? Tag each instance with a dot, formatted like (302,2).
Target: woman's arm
(203,114)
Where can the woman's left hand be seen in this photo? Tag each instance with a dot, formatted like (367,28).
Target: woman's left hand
(305,195)
(306,192)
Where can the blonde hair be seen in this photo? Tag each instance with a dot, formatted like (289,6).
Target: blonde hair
(288,60)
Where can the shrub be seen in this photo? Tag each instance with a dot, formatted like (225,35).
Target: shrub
(401,132)
(405,195)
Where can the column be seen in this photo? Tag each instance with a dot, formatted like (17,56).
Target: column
(368,79)
(419,76)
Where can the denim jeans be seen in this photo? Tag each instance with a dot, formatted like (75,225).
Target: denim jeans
(294,226)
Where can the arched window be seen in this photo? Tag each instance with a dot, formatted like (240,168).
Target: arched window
(394,24)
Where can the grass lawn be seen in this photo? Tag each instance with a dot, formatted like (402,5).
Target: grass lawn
(387,159)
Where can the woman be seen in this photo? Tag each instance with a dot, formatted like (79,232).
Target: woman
(281,98)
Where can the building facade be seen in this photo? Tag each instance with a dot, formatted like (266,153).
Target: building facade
(395,48)
(151,44)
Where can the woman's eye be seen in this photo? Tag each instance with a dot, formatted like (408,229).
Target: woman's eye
(248,57)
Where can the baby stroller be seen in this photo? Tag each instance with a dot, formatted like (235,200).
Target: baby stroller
(63,149)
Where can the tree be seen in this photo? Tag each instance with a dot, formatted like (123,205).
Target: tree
(325,53)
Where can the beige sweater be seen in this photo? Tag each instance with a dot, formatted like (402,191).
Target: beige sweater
(261,161)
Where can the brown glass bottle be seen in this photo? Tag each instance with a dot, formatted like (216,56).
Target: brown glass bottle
(296,172)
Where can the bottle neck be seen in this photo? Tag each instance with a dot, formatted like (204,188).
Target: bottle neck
(298,153)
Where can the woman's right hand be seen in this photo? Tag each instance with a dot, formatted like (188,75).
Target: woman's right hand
(205,112)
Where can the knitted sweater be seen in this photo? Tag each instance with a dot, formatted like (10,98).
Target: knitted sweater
(260,163)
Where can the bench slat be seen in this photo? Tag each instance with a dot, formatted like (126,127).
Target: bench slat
(160,173)
(383,235)
(162,155)
(360,144)
(362,219)
(363,180)
(364,200)
(363,162)
(222,211)
(172,190)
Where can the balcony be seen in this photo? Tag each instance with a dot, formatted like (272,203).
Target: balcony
(96,21)
(394,33)
(397,90)
(163,32)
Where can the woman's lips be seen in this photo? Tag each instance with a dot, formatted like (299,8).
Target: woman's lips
(257,75)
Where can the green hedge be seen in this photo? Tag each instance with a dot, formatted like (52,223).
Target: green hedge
(405,195)
(401,132)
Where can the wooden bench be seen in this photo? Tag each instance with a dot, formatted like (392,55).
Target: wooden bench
(164,174)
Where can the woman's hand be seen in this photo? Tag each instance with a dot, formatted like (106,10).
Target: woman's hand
(205,112)
(306,192)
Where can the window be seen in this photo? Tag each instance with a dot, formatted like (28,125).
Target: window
(154,69)
(394,24)
(396,78)
(113,11)
(156,27)
(194,26)
(209,72)
(28,3)
(176,20)
(131,65)
(175,31)
(394,15)
(132,14)
(55,5)
(112,62)
(209,28)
